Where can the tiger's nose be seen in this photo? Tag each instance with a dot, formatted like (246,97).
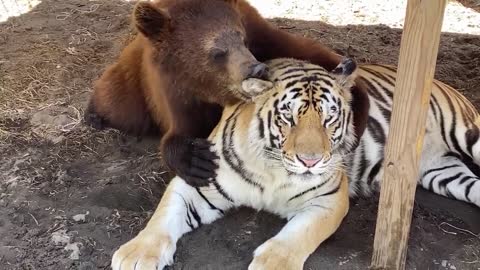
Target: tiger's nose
(309,160)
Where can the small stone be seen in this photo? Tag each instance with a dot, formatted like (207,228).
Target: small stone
(60,237)
(80,217)
(75,249)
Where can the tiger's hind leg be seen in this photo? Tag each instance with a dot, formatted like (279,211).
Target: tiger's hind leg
(182,209)
(449,176)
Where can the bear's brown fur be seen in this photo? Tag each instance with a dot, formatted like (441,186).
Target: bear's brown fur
(189,60)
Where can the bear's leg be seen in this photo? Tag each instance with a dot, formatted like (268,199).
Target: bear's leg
(111,108)
(93,119)
(182,209)
(266,42)
(184,147)
(127,117)
(316,220)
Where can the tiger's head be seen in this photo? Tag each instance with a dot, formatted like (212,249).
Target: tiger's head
(306,120)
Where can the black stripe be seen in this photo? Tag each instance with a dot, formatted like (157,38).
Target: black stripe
(290,77)
(292,83)
(376,130)
(337,188)
(452,154)
(295,69)
(430,185)
(261,124)
(442,122)
(464,179)
(444,182)
(261,129)
(383,77)
(453,137)
(385,90)
(372,90)
(439,169)
(222,192)
(325,90)
(374,171)
(385,112)
(230,155)
(468,189)
(449,194)
(463,111)
(434,111)
(281,65)
(471,137)
(392,69)
(189,219)
(364,162)
(338,126)
(334,190)
(308,190)
(213,207)
(196,216)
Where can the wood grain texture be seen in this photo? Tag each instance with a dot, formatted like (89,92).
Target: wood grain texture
(416,66)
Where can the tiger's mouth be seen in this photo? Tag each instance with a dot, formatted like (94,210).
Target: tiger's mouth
(320,167)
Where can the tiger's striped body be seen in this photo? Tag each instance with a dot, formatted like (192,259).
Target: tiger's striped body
(290,153)
(283,154)
(451,139)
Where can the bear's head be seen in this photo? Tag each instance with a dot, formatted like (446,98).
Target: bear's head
(202,41)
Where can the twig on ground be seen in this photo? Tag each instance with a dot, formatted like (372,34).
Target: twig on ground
(457,228)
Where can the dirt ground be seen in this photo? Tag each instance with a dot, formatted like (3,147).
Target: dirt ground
(70,195)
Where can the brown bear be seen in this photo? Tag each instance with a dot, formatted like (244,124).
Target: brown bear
(188,60)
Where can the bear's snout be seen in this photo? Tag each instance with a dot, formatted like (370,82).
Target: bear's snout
(259,71)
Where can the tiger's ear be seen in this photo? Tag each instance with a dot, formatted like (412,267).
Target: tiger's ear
(151,21)
(253,87)
(345,73)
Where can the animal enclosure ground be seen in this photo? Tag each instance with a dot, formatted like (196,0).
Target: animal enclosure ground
(71,195)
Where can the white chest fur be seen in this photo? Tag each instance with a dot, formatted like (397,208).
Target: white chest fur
(268,186)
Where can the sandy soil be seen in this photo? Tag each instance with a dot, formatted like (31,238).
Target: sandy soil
(70,195)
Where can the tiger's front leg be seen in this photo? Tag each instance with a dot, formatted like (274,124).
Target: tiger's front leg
(304,232)
(182,208)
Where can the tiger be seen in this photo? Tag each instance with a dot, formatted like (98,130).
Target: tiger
(307,109)
(282,153)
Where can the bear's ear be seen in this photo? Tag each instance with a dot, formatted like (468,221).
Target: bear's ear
(151,21)
(345,73)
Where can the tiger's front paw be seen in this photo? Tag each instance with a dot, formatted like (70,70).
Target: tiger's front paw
(147,251)
(274,255)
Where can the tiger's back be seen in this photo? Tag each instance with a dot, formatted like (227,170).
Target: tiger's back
(451,150)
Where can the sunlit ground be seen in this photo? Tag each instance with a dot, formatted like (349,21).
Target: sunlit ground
(458,19)
(11,8)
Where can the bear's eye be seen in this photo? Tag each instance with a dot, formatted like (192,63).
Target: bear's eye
(218,54)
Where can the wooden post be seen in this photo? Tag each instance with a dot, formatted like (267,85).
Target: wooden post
(416,66)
